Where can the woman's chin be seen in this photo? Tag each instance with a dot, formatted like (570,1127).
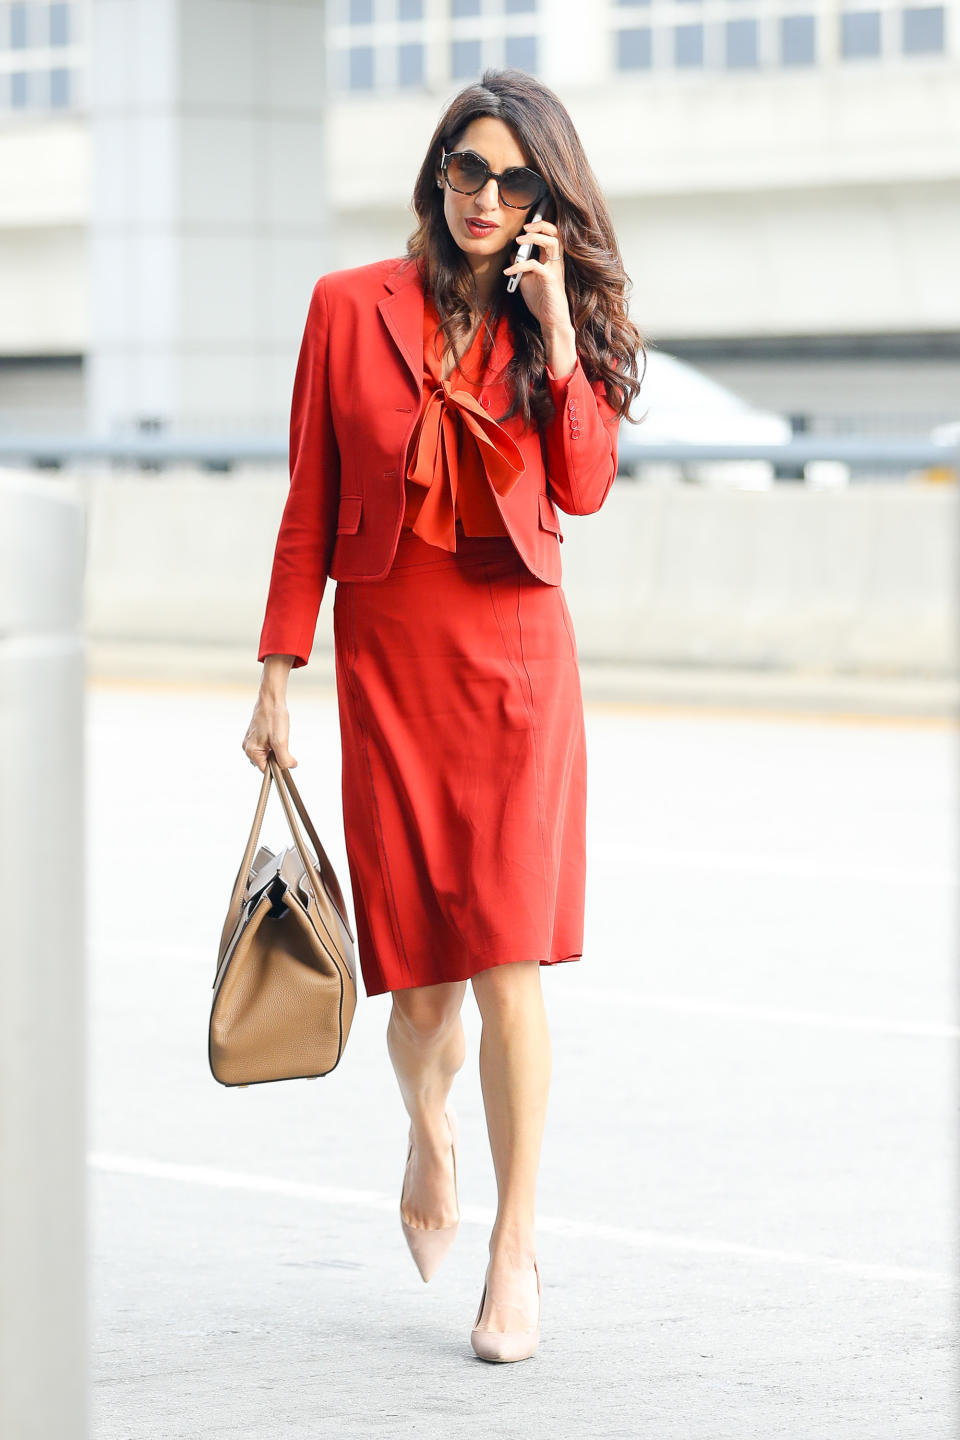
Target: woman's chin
(479,244)
(483,249)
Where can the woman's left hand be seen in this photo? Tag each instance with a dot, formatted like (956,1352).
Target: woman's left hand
(541,281)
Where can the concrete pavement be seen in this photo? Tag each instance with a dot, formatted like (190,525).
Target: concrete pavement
(746,1203)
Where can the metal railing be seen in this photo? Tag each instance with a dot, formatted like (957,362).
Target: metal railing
(223,452)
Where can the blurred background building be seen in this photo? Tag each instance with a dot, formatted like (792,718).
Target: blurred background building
(784,177)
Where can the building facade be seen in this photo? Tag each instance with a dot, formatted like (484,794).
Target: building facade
(784,176)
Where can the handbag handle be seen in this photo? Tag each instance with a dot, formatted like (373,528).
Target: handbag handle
(236,898)
(286,789)
(274,773)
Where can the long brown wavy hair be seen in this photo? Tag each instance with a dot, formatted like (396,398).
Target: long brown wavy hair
(597,286)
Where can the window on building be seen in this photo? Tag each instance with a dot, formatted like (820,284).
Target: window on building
(859,33)
(59,87)
(392,43)
(635,49)
(687,45)
(798,39)
(923,31)
(19,39)
(360,62)
(465,59)
(29,29)
(59,24)
(741,43)
(756,34)
(410,65)
(520,52)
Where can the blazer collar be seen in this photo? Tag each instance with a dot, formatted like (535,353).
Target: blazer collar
(403,273)
(402,311)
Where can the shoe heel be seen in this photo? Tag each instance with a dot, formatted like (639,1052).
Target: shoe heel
(506,1345)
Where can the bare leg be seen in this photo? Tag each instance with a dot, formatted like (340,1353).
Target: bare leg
(427,1046)
(515,1069)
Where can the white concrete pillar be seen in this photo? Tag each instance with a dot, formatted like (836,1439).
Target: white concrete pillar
(208,216)
(43,1211)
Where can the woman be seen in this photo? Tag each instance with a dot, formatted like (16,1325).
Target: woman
(437,422)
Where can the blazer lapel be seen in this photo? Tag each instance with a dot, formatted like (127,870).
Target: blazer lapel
(500,353)
(402,312)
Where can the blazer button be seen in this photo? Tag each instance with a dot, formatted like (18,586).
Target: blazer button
(484,401)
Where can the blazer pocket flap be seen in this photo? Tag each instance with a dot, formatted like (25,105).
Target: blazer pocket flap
(548,515)
(348,514)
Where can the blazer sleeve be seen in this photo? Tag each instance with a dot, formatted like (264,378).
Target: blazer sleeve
(304,548)
(580,442)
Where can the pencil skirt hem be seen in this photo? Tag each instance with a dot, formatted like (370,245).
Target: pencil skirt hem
(469,973)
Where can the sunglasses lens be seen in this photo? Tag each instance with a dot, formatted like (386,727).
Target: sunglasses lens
(466,173)
(521,188)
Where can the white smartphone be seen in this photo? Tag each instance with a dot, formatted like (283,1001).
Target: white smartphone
(523,253)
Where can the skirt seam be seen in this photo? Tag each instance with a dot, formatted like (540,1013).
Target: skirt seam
(534,734)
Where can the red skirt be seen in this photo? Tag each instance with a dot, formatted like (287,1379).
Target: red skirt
(464,764)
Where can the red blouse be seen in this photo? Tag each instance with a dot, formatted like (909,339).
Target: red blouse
(457,452)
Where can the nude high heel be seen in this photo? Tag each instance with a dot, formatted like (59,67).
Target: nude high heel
(506,1344)
(429,1247)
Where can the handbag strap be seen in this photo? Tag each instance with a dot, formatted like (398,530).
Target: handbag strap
(287,789)
(274,773)
(239,886)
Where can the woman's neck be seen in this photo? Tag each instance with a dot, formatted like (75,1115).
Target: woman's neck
(487,277)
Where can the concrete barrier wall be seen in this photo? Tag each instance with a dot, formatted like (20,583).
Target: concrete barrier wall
(856,580)
(862,579)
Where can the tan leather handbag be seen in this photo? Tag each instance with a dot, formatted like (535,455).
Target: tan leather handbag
(285,990)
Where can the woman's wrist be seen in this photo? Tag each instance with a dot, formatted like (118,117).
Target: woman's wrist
(561,351)
(276,672)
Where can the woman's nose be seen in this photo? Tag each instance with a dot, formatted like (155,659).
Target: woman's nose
(490,195)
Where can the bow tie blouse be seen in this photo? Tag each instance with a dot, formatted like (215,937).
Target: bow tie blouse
(458,455)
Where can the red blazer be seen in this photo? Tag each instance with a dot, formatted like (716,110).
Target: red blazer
(356,398)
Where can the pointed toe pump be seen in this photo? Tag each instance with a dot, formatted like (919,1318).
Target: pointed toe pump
(429,1247)
(502,1345)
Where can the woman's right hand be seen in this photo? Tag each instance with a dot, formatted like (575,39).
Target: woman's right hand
(269,728)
